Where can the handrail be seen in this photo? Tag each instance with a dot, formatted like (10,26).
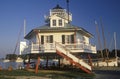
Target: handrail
(62,46)
(67,52)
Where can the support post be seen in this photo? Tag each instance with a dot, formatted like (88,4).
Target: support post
(47,62)
(90,61)
(28,63)
(59,62)
(37,65)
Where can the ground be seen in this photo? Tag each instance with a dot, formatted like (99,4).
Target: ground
(55,74)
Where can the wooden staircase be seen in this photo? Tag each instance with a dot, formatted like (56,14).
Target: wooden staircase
(64,52)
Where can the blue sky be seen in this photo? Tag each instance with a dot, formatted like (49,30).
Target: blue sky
(13,13)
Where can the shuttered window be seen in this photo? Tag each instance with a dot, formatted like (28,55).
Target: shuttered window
(72,38)
(54,22)
(42,39)
(60,22)
(67,39)
(51,38)
(63,39)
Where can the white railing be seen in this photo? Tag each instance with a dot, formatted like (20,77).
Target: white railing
(37,47)
(51,46)
(66,51)
(81,46)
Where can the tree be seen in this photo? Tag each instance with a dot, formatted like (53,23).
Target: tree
(11,56)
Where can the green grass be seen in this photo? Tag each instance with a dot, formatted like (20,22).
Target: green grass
(45,73)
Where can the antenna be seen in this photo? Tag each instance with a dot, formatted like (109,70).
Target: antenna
(68,9)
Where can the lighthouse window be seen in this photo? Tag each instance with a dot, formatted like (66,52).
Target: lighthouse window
(60,22)
(54,22)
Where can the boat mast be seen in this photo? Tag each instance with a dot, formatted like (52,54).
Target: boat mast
(17,42)
(115,44)
(99,42)
(104,38)
(24,28)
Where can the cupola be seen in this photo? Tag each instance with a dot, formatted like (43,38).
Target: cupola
(58,17)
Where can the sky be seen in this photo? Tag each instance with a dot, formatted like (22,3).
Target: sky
(84,13)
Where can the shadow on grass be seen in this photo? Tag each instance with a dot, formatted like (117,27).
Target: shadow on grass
(53,74)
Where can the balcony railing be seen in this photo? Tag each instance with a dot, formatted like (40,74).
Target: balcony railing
(50,47)
(82,46)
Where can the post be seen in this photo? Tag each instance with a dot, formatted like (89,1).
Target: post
(37,65)
(59,62)
(47,62)
(90,61)
(28,63)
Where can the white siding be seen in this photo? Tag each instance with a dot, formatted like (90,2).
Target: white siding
(82,38)
(33,39)
(57,36)
(86,40)
(57,24)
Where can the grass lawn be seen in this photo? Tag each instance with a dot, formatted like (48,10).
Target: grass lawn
(52,74)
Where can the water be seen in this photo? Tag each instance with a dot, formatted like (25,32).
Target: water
(15,65)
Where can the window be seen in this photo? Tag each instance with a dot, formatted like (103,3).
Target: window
(54,22)
(72,38)
(42,39)
(63,39)
(67,39)
(49,39)
(60,22)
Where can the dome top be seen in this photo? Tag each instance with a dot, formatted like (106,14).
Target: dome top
(57,7)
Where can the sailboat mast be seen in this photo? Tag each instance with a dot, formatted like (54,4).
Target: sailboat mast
(99,42)
(115,44)
(24,28)
(104,39)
